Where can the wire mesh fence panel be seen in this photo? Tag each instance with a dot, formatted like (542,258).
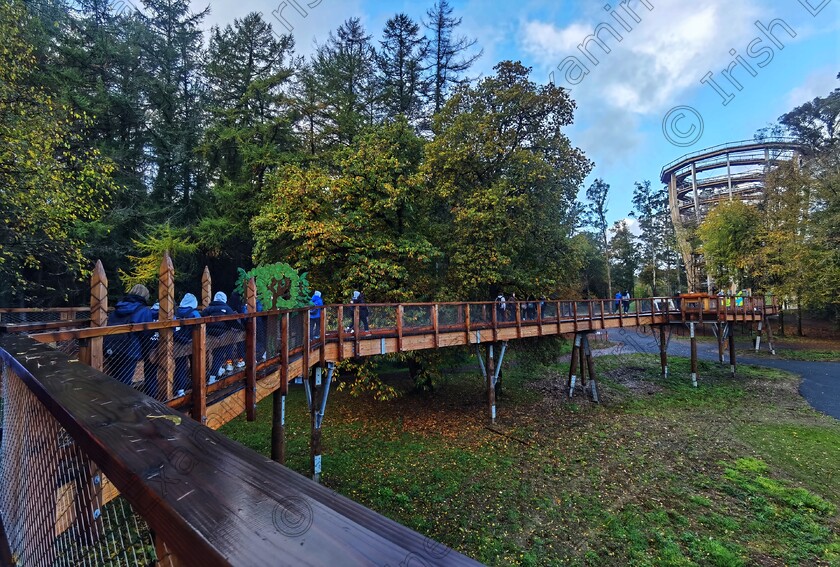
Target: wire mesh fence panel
(548,310)
(482,313)
(70,315)
(382,317)
(451,315)
(297,320)
(566,309)
(417,316)
(53,501)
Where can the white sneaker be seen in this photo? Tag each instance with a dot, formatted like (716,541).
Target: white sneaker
(221,371)
(180,393)
(240,363)
(212,380)
(264,356)
(229,368)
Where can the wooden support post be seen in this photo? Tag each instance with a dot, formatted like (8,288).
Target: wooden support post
(721,336)
(663,351)
(322,334)
(693,354)
(206,288)
(435,325)
(306,345)
(315,386)
(466,326)
(490,367)
(340,319)
(573,362)
(166,346)
(601,306)
(518,321)
(356,330)
(539,318)
(590,365)
(732,352)
(559,327)
(278,420)
(574,316)
(198,371)
(758,335)
(494,320)
(251,352)
(98,313)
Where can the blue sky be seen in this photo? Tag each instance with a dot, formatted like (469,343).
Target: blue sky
(657,65)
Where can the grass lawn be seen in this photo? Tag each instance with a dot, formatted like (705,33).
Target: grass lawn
(734,472)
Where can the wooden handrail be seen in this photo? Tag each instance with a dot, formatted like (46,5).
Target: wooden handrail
(213,501)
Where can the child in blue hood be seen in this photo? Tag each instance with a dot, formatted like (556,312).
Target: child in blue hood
(315,316)
(125,350)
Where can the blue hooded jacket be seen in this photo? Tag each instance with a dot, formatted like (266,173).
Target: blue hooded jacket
(316,300)
(188,309)
(130,346)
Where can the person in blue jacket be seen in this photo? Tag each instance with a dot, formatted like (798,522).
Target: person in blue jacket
(618,298)
(187,309)
(124,351)
(226,352)
(315,316)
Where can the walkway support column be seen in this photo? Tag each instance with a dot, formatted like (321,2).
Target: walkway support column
(693,354)
(758,335)
(590,364)
(723,330)
(732,352)
(490,368)
(663,351)
(573,366)
(769,336)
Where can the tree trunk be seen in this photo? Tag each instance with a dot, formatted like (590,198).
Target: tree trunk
(799,316)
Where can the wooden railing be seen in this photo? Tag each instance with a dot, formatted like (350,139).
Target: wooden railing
(73,438)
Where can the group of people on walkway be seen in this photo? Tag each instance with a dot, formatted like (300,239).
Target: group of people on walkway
(506,307)
(125,352)
(622,300)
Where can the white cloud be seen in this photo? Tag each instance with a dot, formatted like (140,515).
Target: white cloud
(819,83)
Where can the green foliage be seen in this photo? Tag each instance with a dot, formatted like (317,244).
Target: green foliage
(504,177)
(145,267)
(49,187)
(364,227)
(729,234)
(279,286)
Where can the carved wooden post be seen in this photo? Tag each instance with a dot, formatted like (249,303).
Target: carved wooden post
(251,352)
(663,351)
(166,349)
(206,288)
(98,312)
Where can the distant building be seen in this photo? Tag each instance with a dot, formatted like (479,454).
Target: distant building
(697,182)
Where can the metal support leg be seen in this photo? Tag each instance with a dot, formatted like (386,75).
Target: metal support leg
(663,351)
(693,354)
(491,390)
(732,352)
(769,336)
(590,363)
(573,365)
(758,336)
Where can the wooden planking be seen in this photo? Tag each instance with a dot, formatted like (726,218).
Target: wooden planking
(186,480)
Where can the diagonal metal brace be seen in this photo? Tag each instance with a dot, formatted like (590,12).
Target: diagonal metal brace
(499,363)
(319,415)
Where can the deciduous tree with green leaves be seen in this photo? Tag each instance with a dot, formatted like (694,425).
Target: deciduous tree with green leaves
(504,177)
